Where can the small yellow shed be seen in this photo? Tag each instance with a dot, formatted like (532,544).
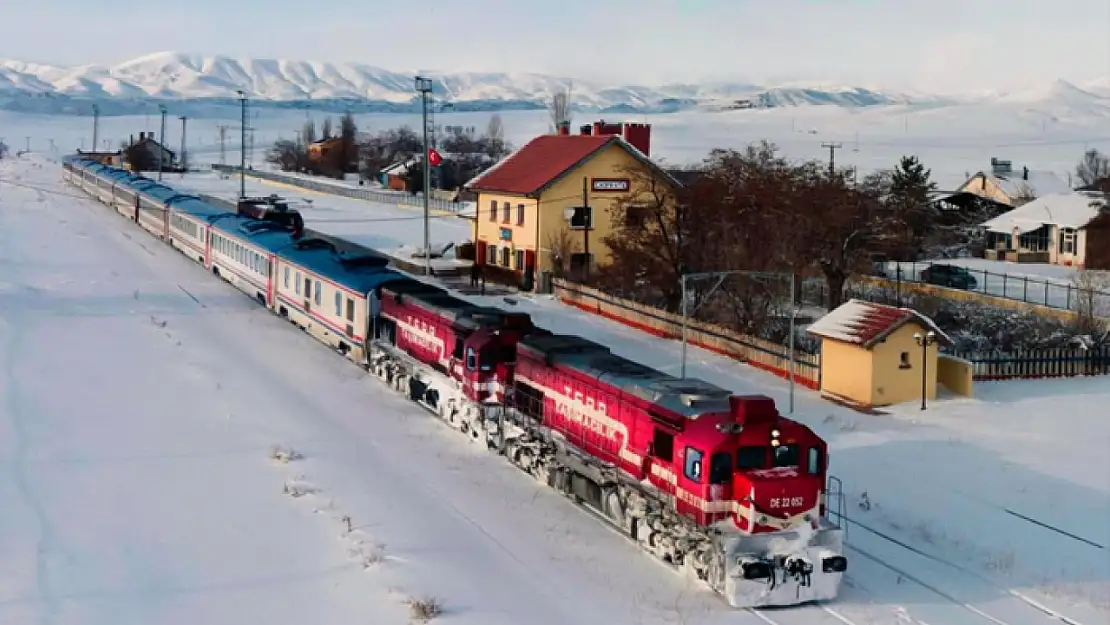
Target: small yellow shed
(872,354)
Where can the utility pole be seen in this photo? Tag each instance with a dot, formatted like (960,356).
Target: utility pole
(243,145)
(96,124)
(161,140)
(223,144)
(29,144)
(833,147)
(424,86)
(184,165)
(586,223)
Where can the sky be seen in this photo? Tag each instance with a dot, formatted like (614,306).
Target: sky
(952,46)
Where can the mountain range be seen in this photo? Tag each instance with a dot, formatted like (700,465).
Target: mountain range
(288,83)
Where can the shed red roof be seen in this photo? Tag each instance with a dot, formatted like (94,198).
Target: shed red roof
(867,323)
(539,162)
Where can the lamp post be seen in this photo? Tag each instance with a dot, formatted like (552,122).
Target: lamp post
(242,144)
(96,124)
(424,86)
(721,275)
(929,338)
(161,140)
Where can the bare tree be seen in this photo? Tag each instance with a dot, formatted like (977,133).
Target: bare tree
(1092,304)
(561,244)
(496,147)
(1094,168)
(1025,194)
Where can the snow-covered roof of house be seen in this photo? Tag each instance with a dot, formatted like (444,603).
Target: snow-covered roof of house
(866,323)
(1067,210)
(1037,183)
(400,168)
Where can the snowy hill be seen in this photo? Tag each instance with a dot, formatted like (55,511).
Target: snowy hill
(189,76)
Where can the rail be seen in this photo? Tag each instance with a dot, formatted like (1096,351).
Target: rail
(369,195)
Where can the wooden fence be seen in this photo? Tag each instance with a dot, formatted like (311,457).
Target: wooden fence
(756,352)
(1040,363)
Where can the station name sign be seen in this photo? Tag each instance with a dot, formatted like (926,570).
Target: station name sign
(610,184)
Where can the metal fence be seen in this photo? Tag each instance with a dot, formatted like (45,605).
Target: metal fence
(1038,363)
(1042,291)
(400,199)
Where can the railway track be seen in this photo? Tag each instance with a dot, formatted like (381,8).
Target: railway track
(950,594)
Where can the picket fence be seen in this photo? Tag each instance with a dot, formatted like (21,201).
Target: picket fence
(1038,363)
(754,351)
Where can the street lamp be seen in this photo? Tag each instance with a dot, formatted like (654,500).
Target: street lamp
(242,144)
(925,341)
(721,275)
(161,140)
(424,86)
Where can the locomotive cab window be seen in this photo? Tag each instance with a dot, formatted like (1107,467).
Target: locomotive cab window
(751,458)
(787,455)
(692,467)
(486,358)
(662,445)
(471,359)
(720,468)
(813,461)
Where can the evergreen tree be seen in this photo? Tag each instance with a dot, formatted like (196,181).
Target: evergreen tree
(908,199)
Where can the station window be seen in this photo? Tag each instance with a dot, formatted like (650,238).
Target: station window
(520,214)
(520,260)
(692,467)
(505,212)
(493,210)
(491,255)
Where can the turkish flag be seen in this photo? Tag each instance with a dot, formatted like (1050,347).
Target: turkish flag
(434,158)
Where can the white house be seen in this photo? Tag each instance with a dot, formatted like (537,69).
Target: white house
(1050,229)
(1013,188)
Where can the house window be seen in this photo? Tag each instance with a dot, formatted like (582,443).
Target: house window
(493,210)
(492,255)
(582,218)
(1067,241)
(905,361)
(505,213)
(520,214)
(505,251)
(520,260)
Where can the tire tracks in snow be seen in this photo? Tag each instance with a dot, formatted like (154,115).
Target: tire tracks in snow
(18,325)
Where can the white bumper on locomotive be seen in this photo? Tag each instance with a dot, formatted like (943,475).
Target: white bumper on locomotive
(784,568)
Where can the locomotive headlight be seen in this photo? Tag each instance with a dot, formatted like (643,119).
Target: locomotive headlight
(774,442)
(775,434)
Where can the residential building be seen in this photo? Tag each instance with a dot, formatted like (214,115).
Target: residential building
(111,159)
(548,204)
(395,176)
(1051,229)
(1013,188)
(151,147)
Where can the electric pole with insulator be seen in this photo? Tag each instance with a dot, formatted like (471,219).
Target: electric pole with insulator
(243,145)
(161,140)
(184,162)
(424,86)
(833,147)
(96,124)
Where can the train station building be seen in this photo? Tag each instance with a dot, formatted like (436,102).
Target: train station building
(548,206)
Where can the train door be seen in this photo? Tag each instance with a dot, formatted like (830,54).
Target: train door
(661,457)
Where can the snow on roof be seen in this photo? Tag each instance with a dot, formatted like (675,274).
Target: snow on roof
(867,323)
(1067,210)
(1039,183)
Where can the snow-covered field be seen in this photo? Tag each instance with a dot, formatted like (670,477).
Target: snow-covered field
(142,397)
(1049,132)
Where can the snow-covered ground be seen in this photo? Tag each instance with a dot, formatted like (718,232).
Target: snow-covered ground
(142,396)
(954,142)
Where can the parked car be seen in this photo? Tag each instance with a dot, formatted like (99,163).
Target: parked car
(949,276)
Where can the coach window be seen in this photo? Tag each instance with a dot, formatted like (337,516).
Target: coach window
(286,272)
(307,287)
(350,309)
(693,465)
(319,294)
(297,283)
(338,304)
(813,461)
